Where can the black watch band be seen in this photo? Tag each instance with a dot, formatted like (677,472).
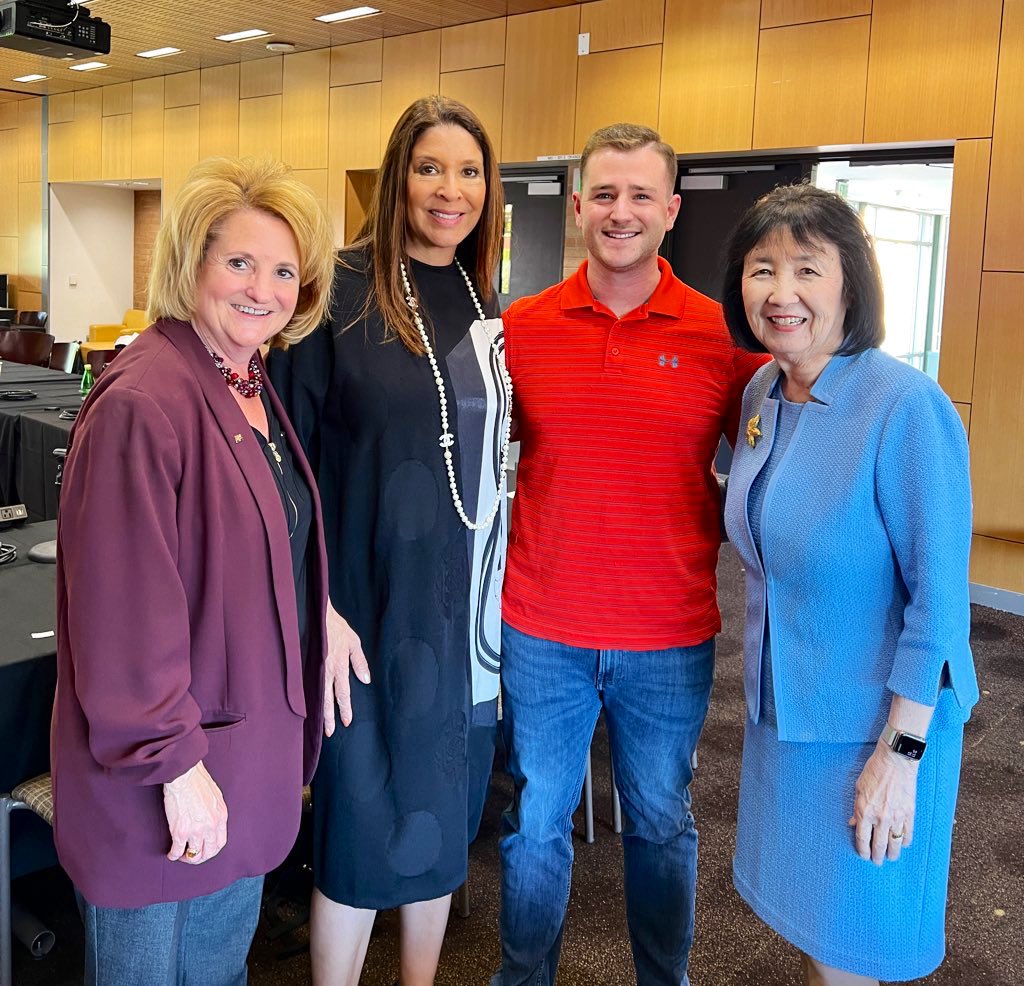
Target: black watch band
(905,744)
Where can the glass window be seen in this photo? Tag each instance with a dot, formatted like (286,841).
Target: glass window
(905,207)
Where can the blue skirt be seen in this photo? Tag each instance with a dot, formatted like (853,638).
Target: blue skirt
(796,866)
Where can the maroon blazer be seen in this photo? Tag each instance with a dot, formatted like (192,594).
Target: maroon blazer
(177,634)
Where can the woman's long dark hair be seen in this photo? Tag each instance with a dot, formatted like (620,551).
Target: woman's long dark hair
(382,237)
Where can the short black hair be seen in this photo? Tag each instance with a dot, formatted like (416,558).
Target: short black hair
(810,215)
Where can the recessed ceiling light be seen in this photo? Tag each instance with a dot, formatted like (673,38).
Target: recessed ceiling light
(30,78)
(87,66)
(158,52)
(346,15)
(253,32)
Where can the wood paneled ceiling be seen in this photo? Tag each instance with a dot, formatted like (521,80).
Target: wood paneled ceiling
(142,26)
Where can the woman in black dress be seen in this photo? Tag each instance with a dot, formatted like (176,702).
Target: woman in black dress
(402,402)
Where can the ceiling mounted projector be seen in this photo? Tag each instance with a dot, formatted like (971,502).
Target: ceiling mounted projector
(52,29)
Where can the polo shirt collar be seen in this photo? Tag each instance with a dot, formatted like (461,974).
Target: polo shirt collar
(668,297)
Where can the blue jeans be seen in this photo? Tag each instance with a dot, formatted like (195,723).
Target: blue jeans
(655,703)
(202,941)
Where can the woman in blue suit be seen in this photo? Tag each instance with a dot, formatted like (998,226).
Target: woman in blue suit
(849,504)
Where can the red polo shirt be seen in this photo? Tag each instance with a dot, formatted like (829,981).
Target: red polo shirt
(615,522)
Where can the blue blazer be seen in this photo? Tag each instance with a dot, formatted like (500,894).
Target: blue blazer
(862,580)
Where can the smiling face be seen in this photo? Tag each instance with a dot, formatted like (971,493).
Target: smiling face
(793,298)
(624,207)
(445,193)
(248,286)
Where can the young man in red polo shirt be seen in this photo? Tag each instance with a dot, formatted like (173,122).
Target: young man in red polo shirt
(624,380)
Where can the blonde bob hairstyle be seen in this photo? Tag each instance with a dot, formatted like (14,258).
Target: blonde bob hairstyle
(213,190)
(383,235)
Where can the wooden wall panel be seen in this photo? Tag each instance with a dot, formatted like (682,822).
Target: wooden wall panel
(148,128)
(963,268)
(932,73)
(8,181)
(623,23)
(540,77)
(359,186)
(61,108)
(817,98)
(353,64)
(997,563)
(181,89)
(316,179)
(116,163)
(354,126)
(31,301)
(997,441)
(708,72)
(30,236)
(9,250)
(259,127)
(1004,242)
(218,111)
(88,134)
(482,90)
(117,99)
(262,77)
(964,410)
(60,153)
(475,45)
(779,13)
(181,149)
(601,98)
(30,140)
(412,68)
(9,116)
(306,108)
(353,143)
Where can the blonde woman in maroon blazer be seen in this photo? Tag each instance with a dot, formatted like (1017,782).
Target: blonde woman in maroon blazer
(191,594)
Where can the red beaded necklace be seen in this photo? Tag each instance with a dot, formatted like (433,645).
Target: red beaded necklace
(252,387)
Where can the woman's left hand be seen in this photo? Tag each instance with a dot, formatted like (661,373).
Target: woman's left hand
(883,810)
(344,657)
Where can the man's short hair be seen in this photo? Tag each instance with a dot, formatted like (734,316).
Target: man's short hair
(630,137)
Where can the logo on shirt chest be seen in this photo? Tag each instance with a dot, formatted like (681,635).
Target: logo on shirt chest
(672,361)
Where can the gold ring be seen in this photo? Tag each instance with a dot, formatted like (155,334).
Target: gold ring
(191,853)
(896,836)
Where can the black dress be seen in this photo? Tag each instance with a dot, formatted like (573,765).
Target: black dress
(398,794)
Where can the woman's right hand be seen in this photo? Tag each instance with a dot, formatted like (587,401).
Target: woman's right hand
(197,816)
(344,655)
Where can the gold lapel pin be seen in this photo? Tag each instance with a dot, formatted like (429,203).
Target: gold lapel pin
(238,438)
(753,432)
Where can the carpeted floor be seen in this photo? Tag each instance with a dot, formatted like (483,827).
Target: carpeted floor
(732,947)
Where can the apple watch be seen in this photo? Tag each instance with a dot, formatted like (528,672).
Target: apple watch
(905,744)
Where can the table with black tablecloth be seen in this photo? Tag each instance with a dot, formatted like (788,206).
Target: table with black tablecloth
(28,676)
(52,389)
(36,467)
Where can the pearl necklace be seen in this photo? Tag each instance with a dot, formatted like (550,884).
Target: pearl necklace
(447,438)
